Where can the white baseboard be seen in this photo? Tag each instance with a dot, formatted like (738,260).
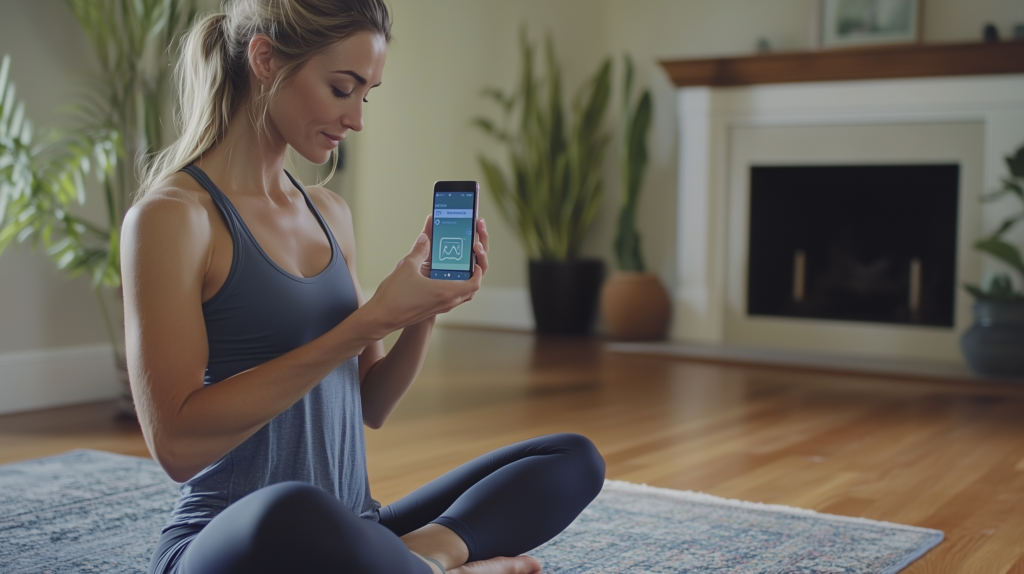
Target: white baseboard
(31,380)
(496,307)
(730,353)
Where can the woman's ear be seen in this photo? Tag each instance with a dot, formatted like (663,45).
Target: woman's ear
(261,59)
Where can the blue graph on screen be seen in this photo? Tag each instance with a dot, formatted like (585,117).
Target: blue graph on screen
(451,249)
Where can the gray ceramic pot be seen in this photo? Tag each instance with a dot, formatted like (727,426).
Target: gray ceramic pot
(994,345)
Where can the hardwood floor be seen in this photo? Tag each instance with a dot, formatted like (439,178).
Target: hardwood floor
(941,455)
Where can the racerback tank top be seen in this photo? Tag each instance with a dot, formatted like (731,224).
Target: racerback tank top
(262,312)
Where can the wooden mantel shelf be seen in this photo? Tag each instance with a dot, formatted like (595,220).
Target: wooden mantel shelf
(906,61)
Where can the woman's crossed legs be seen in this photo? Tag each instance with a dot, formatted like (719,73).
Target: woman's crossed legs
(504,503)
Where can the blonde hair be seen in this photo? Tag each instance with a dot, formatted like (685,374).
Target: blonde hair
(213,71)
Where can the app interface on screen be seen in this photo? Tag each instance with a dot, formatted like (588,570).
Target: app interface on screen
(451,255)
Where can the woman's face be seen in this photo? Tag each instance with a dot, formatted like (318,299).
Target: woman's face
(315,108)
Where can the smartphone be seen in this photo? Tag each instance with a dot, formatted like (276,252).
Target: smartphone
(456,205)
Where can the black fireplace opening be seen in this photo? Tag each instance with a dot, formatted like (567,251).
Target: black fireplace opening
(874,243)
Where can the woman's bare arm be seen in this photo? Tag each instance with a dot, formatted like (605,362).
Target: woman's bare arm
(166,249)
(386,377)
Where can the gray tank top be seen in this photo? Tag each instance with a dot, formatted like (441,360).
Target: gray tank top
(260,313)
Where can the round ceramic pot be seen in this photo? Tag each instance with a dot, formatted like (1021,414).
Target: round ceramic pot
(635,307)
(564,295)
(994,345)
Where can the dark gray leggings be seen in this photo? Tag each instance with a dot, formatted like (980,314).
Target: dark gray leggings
(504,503)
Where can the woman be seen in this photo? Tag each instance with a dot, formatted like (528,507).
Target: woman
(254,357)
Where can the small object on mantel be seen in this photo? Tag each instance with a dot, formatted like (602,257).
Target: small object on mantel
(990,33)
(763,45)
(1018,31)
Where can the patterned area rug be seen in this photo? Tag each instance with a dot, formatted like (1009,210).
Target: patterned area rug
(637,528)
(91,511)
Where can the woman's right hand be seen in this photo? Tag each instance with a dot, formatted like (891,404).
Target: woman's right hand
(406,297)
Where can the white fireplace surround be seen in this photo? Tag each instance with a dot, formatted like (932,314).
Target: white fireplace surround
(971,120)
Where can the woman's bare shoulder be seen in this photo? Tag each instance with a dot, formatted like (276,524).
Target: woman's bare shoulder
(178,187)
(334,209)
(338,216)
(175,207)
(329,201)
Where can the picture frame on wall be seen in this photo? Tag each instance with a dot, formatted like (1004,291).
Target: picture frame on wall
(852,23)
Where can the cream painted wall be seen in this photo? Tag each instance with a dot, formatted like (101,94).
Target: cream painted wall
(417,128)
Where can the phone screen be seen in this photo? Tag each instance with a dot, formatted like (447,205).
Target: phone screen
(454,228)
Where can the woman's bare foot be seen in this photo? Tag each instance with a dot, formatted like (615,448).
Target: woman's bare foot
(447,548)
(500,565)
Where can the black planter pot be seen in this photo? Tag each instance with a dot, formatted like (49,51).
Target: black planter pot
(565,295)
(994,345)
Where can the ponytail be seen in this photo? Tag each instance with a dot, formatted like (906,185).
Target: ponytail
(207,92)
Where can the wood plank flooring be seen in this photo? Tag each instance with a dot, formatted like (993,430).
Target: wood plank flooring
(936,454)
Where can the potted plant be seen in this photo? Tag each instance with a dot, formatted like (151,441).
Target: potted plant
(119,122)
(994,345)
(553,189)
(634,303)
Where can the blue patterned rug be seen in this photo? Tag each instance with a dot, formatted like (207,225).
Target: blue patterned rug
(91,511)
(637,528)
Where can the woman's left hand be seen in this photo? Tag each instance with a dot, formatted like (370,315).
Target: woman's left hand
(479,248)
(387,377)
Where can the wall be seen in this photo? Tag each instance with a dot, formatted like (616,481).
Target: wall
(417,131)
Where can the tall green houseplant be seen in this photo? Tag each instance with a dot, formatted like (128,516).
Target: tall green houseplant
(114,128)
(552,189)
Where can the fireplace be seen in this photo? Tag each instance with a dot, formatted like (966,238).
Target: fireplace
(863,284)
(841,294)
(870,243)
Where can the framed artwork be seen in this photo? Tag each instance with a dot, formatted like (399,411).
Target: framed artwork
(848,23)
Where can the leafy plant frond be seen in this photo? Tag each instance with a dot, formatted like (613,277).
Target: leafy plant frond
(506,102)
(975,291)
(996,287)
(1007,225)
(628,254)
(1010,187)
(1015,163)
(1003,251)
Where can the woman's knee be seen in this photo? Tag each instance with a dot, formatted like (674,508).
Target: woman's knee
(295,527)
(289,514)
(586,460)
(278,526)
(301,511)
(314,532)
